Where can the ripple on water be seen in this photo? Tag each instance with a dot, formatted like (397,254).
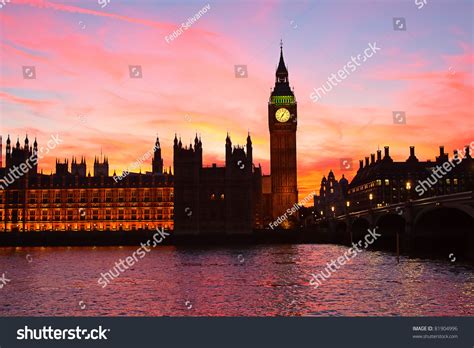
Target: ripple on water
(272,280)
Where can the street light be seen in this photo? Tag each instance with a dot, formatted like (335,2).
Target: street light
(408,187)
(371,197)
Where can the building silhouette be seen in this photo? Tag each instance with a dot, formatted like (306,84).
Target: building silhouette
(216,200)
(380,181)
(332,195)
(15,156)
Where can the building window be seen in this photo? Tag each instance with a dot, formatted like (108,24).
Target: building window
(32,215)
(57,215)
(95,214)
(95,197)
(70,196)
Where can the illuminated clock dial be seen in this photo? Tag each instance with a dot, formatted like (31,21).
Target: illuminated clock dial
(282,115)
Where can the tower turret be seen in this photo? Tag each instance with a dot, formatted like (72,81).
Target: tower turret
(249,150)
(157,162)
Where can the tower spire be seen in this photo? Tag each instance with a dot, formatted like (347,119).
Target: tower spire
(282,85)
(282,71)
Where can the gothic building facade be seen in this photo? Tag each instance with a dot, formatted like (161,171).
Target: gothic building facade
(71,200)
(216,200)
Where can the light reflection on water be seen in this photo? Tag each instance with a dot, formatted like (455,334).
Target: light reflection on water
(267,280)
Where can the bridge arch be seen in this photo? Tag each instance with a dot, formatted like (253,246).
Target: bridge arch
(444,230)
(464,208)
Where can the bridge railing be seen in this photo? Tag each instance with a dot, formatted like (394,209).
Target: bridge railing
(453,197)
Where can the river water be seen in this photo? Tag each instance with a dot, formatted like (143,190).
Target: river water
(266,280)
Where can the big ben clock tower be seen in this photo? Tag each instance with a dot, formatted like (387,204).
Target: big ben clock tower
(282,122)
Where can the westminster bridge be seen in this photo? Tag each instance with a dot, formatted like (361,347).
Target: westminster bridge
(435,225)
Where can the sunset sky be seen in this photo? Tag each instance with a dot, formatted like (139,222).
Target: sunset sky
(82,51)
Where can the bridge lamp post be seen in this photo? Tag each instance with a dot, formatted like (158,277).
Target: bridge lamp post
(371,197)
(333,209)
(408,188)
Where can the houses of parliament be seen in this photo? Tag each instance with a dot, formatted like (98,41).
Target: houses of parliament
(191,199)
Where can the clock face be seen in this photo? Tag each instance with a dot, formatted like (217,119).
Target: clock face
(282,115)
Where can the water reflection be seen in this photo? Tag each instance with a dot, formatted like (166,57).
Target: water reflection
(271,280)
